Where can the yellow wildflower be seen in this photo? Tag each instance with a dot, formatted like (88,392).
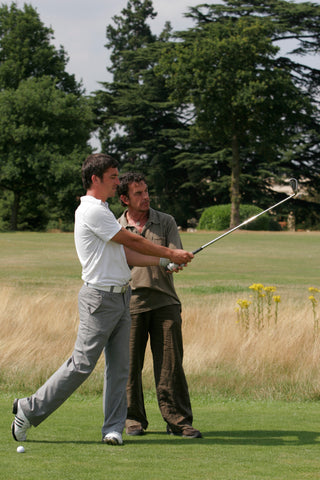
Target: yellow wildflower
(270,289)
(313,300)
(244,304)
(257,287)
(313,289)
(276,298)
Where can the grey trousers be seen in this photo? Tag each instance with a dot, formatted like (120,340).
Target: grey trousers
(104,327)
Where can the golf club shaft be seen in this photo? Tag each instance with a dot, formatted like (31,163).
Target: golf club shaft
(242,224)
(294,185)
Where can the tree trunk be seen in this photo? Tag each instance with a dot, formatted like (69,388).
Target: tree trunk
(235,183)
(15,211)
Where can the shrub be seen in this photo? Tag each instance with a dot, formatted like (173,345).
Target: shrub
(218,218)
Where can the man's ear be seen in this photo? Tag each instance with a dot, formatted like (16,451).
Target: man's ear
(124,199)
(94,179)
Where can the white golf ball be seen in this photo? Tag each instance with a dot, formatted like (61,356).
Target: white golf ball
(20,449)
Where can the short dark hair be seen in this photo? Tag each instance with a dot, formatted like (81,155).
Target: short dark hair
(125,180)
(96,164)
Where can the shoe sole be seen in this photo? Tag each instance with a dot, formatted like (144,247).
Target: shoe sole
(197,435)
(136,433)
(112,441)
(184,436)
(14,411)
(12,431)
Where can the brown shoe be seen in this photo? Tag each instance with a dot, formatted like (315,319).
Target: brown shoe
(186,432)
(190,432)
(134,428)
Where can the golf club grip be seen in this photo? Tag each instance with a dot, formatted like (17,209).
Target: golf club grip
(171,266)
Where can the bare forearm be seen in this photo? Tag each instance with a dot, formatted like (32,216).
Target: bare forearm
(145,247)
(136,259)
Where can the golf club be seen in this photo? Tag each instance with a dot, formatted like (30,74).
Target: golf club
(294,186)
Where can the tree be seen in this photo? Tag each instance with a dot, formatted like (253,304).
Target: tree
(40,133)
(138,124)
(45,122)
(26,51)
(255,110)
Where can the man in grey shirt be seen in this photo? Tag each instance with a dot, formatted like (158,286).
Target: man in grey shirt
(156,313)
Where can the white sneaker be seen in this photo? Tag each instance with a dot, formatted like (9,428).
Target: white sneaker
(20,424)
(113,438)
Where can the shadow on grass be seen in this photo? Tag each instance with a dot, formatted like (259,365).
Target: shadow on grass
(263,437)
(237,437)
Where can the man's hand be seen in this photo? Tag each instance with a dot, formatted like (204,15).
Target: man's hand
(174,267)
(180,257)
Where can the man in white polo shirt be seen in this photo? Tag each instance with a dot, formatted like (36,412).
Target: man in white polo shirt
(105,250)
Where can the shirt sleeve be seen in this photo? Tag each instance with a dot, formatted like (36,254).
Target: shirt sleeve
(173,237)
(103,223)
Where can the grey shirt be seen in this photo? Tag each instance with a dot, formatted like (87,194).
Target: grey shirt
(152,287)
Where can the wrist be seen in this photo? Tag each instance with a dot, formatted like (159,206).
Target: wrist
(163,262)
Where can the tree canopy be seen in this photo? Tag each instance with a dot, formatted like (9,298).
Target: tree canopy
(45,123)
(216,114)
(136,120)
(26,50)
(239,115)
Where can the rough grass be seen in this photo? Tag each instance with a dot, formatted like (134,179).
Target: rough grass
(237,377)
(279,361)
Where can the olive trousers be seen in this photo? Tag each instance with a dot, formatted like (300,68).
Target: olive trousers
(163,327)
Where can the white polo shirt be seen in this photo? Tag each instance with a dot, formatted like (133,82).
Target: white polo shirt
(103,261)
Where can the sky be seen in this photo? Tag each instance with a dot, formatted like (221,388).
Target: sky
(80,27)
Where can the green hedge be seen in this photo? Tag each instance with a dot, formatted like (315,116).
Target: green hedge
(218,218)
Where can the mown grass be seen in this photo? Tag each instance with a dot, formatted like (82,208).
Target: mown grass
(243,440)
(242,258)
(281,258)
(33,261)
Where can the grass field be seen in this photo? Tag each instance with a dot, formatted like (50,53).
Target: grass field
(243,440)
(288,259)
(40,278)
(254,392)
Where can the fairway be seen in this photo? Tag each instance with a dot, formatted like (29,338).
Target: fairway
(281,258)
(243,258)
(243,440)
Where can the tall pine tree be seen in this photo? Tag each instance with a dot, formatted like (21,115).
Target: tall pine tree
(255,109)
(137,122)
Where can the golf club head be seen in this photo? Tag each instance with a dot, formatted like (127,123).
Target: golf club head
(294,185)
